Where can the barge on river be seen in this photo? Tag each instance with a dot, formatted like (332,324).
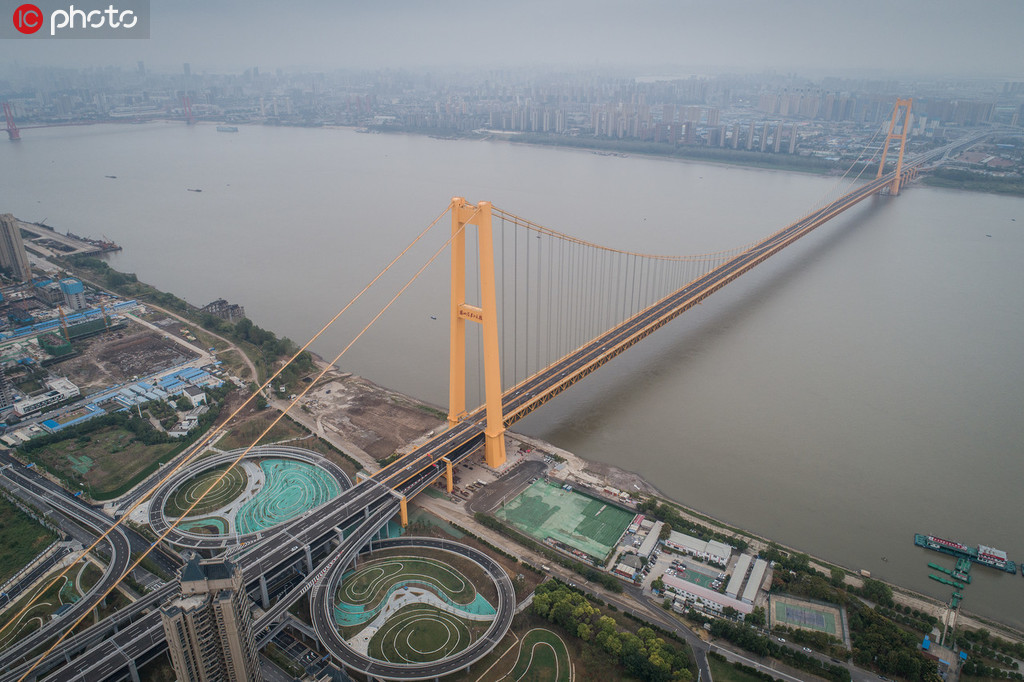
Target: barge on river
(986,556)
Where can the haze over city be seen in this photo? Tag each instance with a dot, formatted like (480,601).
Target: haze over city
(811,37)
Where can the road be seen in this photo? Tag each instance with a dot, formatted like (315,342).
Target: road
(43,495)
(506,487)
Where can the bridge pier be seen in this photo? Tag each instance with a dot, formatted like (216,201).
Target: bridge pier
(133,671)
(264,594)
(449,475)
(309,559)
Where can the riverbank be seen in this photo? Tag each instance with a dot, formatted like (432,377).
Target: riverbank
(598,474)
(965,180)
(336,412)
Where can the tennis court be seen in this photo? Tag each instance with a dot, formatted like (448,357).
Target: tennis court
(545,510)
(801,614)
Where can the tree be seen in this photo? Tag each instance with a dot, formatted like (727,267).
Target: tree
(878,592)
(756,617)
(838,576)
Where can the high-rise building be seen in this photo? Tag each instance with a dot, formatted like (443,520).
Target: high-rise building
(12,249)
(209,627)
(74,293)
(6,390)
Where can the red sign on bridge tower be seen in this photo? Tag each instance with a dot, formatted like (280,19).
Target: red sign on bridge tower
(12,130)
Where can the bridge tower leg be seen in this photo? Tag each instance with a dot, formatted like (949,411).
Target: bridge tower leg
(486,314)
(904,104)
(449,475)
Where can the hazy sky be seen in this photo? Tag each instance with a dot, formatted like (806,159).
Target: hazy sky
(895,37)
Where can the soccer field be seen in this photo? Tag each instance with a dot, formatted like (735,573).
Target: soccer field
(545,510)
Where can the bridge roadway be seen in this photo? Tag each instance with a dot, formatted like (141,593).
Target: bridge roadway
(415,471)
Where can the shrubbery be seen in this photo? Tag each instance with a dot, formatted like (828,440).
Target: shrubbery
(644,655)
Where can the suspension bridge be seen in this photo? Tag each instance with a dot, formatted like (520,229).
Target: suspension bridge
(551,309)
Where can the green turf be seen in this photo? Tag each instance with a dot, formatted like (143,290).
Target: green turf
(545,510)
(697,578)
(209,525)
(421,633)
(542,657)
(230,487)
(722,671)
(81,464)
(21,539)
(63,591)
(370,583)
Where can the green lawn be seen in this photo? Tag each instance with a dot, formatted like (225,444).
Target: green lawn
(64,591)
(230,487)
(421,633)
(109,458)
(21,539)
(722,671)
(245,434)
(543,657)
(369,584)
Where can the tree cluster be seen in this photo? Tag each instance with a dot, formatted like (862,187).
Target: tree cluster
(747,638)
(880,642)
(912,618)
(822,641)
(643,655)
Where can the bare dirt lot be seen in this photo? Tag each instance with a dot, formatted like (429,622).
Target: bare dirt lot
(376,420)
(116,357)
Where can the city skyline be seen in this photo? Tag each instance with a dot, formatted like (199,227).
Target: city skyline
(910,38)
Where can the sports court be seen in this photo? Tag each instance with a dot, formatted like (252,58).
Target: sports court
(545,510)
(798,613)
(697,578)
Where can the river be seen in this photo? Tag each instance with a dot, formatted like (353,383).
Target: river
(864,385)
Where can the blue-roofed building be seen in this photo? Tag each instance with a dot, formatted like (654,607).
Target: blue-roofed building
(74,293)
